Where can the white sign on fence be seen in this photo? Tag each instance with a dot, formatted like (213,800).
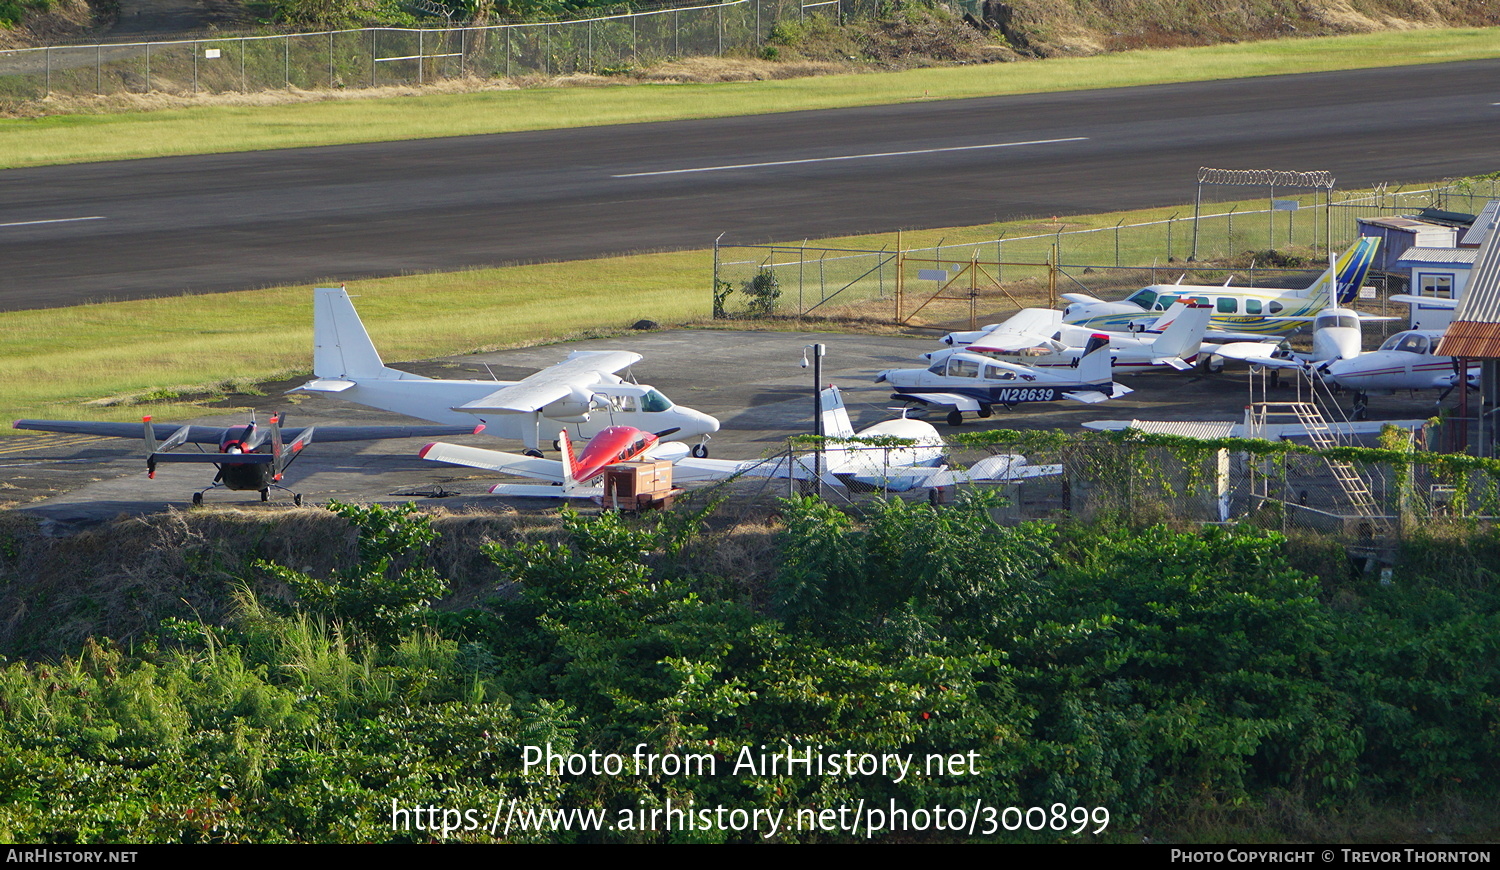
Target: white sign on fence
(210,53)
(1284,205)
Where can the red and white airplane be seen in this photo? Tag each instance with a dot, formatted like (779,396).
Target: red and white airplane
(915,463)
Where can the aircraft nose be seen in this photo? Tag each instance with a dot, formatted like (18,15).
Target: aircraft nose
(707,424)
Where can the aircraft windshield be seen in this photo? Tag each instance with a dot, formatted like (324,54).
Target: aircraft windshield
(654,402)
(963,368)
(1143,298)
(1341,321)
(1410,342)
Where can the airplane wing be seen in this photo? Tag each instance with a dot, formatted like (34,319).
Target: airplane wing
(533,490)
(580,369)
(493,460)
(213,434)
(162,431)
(1258,353)
(956,401)
(1425,301)
(374,433)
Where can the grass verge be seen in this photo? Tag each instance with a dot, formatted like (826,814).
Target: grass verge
(119,360)
(218,129)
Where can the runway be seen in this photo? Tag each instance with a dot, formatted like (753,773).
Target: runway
(204,224)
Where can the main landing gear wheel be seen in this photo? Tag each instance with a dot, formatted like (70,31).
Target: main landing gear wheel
(297,499)
(986,411)
(197,498)
(556,446)
(265,495)
(1361,406)
(955,418)
(700,451)
(532,452)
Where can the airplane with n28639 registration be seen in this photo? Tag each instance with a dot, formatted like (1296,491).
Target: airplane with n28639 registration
(973,382)
(1241,309)
(583,392)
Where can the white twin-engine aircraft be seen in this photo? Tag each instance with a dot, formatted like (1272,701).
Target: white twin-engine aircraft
(584,392)
(1239,309)
(974,382)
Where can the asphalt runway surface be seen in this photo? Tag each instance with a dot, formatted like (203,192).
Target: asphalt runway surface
(228,222)
(751,381)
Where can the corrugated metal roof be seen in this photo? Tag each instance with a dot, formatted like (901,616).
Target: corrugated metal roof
(1471,340)
(1402,223)
(1480,229)
(1475,330)
(1439,255)
(1204,429)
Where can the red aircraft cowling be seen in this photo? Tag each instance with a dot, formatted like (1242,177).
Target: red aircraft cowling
(611,445)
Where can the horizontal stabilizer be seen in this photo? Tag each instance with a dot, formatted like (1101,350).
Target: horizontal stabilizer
(494,460)
(216,458)
(532,490)
(324,385)
(1081,297)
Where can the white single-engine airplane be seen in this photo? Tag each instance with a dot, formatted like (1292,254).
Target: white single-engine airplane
(1062,345)
(249,457)
(973,382)
(910,457)
(1245,309)
(583,391)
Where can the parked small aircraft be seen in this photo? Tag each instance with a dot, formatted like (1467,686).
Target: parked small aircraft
(1245,309)
(1405,361)
(242,465)
(973,382)
(583,391)
(1337,334)
(913,461)
(1062,345)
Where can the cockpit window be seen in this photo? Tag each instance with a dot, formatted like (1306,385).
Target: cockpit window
(1410,342)
(963,368)
(654,402)
(1143,298)
(1336,321)
(996,373)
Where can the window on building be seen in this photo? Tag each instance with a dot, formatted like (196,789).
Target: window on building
(1436,286)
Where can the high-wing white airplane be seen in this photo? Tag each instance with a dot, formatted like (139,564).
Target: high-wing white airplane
(583,391)
(974,382)
(1062,345)
(1244,309)
(913,462)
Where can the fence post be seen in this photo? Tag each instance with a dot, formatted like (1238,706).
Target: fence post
(507,52)
(243,88)
(591,45)
(330,60)
(148,67)
(720,16)
(1117,242)
(635,52)
(1229,241)
(47,59)
(286,61)
(420,52)
(373,64)
(195,67)
(463,48)
(98,70)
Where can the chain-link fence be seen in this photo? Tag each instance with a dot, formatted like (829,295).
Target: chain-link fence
(372,57)
(1136,479)
(966,280)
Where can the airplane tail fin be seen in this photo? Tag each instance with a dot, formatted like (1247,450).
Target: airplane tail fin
(1185,334)
(569,461)
(341,346)
(1096,366)
(835,416)
(1340,283)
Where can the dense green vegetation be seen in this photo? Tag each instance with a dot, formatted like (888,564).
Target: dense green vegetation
(1165,675)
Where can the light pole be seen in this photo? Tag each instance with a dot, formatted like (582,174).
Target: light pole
(818,350)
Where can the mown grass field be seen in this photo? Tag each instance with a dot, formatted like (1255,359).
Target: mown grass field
(117,361)
(218,129)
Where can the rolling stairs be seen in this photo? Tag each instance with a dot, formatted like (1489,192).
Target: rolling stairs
(1305,410)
